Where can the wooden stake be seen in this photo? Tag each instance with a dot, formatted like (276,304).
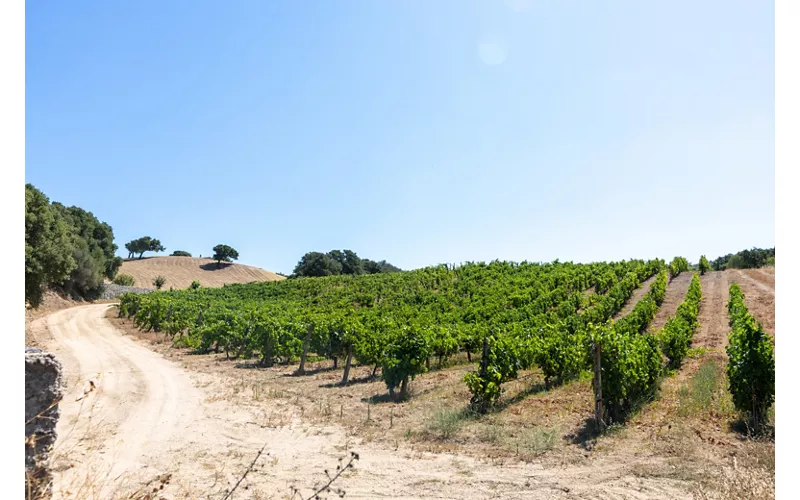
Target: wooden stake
(302,369)
(597,384)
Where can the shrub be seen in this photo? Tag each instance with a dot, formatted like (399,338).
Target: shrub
(446,422)
(704,266)
(180,253)
(676,336)
(501,363)
(159,282)
(677,266)
(631,365)
(124,280)
(559,354)
(751,361)
(195,285)
(404,359)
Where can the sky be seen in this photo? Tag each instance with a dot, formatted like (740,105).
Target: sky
(417,132)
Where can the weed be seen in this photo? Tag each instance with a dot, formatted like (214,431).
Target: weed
(696,352)
(446,422)
(538,440)
(491,433)
(705,391)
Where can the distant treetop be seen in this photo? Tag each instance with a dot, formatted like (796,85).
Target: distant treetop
(337,262)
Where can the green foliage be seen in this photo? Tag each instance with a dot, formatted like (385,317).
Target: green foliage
(124,280)
(502,362)
(676,336)
(702,391)
(630,360)
(48,247)
(751,361)
(317,264)
(224,253)
(631,367)
(704,266)
(195,285)
(677,266)
(142,245)
(180,253)
(65,246)
(645,310)
(745,259)
(372,267)
(561,355)
(159,282)
(404,358)
(338,262)
(444,308)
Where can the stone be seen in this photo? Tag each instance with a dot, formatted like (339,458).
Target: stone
(43,391)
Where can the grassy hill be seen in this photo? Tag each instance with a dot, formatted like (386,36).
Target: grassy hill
(181,271)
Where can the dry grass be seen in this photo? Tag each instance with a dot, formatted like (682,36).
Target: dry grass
(181,271)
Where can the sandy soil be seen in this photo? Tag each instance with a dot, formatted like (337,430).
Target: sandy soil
(181,271)
(36,332)
(133,418)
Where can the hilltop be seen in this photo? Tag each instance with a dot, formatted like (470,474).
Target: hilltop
(181,271)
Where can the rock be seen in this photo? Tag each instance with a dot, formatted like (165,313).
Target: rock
(112,291)
(43,391)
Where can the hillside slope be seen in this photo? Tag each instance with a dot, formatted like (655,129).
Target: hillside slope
(181,271)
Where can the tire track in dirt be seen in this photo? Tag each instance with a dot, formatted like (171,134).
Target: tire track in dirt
(713,315)
(676,292)
(636,296)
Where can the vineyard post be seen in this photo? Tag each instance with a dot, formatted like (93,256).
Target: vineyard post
(346,375)
(485,357)
(302,369)
(598,390)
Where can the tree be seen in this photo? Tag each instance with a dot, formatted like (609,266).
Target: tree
(180,253)
(372,267)
(317,264)
(112,267)
(338,262)
(159,282)
(348,260)
(704,266)
(224,253)
(48,249)
(142,245)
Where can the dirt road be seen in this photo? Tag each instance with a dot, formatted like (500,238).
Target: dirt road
(131,417)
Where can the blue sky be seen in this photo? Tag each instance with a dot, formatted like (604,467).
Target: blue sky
(417,132)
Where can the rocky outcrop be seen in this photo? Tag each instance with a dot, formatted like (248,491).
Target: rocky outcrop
(43,391)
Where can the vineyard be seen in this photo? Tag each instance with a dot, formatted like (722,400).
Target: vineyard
(510,317)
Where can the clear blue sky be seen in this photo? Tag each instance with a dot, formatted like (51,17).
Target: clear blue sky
(417,131)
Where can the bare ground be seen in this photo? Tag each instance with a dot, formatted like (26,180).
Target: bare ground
(635,297)
(758,287)
(181,271)
(676,293)
(36,332)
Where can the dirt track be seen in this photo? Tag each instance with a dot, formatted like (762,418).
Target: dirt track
(147,417)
